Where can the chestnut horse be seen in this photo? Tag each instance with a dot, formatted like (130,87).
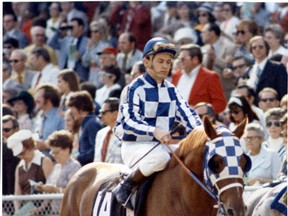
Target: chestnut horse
(173,192)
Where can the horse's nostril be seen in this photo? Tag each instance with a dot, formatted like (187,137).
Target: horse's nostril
(230,212)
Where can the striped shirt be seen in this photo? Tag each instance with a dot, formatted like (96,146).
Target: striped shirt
(147,105)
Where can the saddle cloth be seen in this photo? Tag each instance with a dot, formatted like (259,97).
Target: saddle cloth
(105,203)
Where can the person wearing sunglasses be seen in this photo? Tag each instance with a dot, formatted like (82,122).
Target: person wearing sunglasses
(265,162)
(20,73)
(7,82)
(265,73)
(237,70)
(239,108)
(10,125)
(245,30)
(268,99)
(273,125)
(204,16)
(72,47)
(146,116)
(107,145)
(206,109)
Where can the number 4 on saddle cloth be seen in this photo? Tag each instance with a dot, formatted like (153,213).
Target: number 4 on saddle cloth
(105,203)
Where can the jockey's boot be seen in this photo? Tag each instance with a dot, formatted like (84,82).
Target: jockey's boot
(124,190)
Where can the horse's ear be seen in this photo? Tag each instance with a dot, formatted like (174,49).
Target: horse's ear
(209,129)
(239,131)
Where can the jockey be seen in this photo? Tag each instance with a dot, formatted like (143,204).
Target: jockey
(146,115)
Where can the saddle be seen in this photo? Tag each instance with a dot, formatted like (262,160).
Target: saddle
(105,202)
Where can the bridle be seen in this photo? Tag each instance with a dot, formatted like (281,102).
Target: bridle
(232,168)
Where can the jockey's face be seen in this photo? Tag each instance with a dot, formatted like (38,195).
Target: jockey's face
(159,66)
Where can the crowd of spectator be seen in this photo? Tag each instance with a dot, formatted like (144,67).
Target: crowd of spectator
(66,64)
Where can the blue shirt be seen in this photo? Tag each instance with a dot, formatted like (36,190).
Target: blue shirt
(52,121)
(149,105)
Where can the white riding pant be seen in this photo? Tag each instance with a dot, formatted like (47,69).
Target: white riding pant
(155,161)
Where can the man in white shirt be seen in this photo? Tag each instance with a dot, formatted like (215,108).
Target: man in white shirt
(195,82)
(107,145)
(47,71)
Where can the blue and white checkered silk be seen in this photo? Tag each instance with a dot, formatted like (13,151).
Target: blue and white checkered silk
(149,105)
(228,147)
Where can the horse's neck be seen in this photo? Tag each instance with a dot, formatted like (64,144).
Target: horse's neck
(179,191)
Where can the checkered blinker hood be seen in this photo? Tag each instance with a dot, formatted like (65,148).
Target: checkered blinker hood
(228,147)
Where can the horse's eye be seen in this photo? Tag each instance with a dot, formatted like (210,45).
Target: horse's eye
(216,164)
(245,163)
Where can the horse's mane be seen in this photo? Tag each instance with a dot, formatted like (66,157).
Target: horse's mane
(195,141)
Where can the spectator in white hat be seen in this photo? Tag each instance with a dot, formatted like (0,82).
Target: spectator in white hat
(33,167)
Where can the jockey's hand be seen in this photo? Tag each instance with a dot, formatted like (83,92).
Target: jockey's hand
(162,136)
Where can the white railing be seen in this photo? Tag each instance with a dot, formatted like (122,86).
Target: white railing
(30,202)
(7,201)
(33,197)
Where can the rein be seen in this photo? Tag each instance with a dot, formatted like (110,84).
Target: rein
(190,173)
(219,206)
(171,132)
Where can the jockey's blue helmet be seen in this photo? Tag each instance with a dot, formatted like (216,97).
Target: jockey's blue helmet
(158,45)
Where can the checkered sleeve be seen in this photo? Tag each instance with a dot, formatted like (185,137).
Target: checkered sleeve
(133,120)
(185,114)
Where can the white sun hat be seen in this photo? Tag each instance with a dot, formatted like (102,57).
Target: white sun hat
(14,142)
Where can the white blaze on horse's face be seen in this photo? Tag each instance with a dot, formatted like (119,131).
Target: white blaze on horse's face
(227,147)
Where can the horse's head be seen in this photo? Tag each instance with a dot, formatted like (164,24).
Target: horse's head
(225,164)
